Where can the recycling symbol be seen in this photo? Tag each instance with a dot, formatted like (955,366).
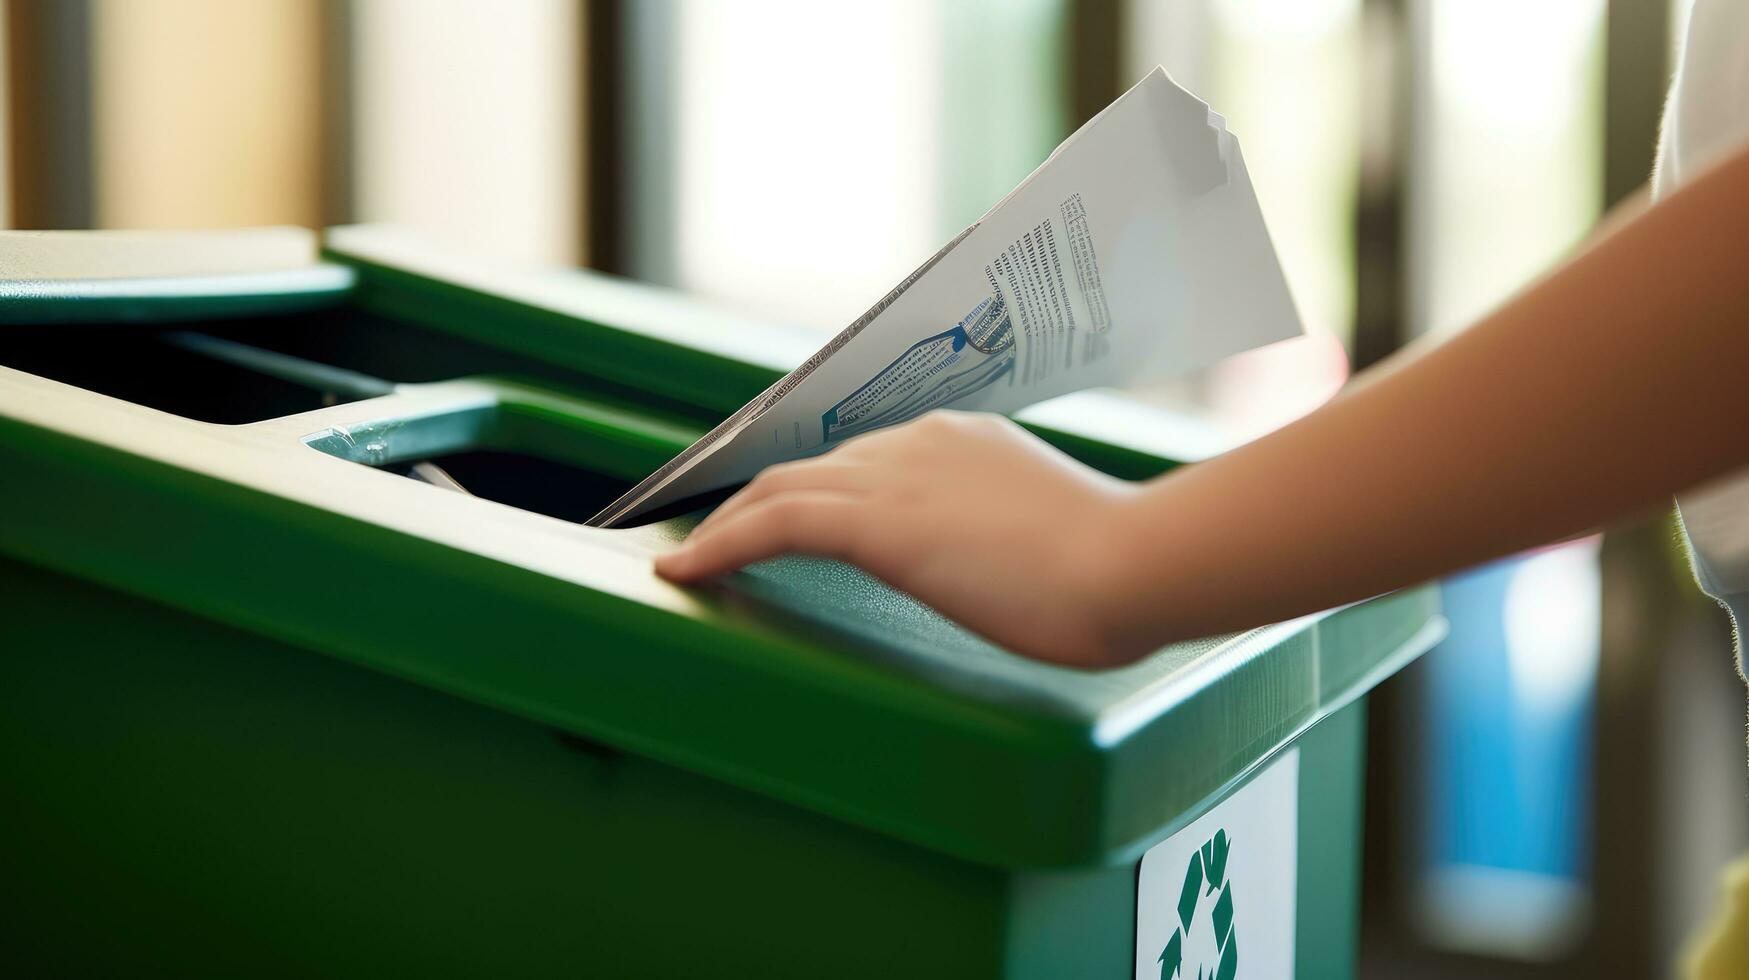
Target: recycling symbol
(1205,877)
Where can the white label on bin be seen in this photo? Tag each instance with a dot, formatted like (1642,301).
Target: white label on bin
(1216,899)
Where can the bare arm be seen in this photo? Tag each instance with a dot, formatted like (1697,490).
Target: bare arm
(1597,393)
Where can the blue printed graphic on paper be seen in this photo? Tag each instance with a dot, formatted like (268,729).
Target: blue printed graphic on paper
(935,371)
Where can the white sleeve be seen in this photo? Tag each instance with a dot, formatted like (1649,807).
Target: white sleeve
(1716,517)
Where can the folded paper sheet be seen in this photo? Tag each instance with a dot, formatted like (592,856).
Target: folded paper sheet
(1134,252)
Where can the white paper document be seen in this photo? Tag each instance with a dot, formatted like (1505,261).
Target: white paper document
(1136,251)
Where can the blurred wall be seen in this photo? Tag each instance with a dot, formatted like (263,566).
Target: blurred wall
(5,129)
(206,113)
(48,101)
(463,119)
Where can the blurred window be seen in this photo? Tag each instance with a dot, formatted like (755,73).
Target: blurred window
(466,122)
(1286,76)
(794,159)
(1508,149)
(1506,778)
(1506,177)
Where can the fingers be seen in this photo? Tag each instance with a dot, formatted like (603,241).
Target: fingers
(779,510)
(811,522)
(806,475)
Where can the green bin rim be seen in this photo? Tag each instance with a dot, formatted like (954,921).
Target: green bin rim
(871,711)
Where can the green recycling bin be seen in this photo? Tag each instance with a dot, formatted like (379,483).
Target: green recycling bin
(275,699)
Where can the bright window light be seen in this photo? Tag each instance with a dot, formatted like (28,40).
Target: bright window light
(1286,76)
(1554,626)
(823,150)
(1508,160)
(808,142)
(466,123)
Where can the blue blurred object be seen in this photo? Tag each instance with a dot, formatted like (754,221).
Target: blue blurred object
(1507,736)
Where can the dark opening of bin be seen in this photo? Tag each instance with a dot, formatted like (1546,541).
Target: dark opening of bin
(143,367)
(545,486)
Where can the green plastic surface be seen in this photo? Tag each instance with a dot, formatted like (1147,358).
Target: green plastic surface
(184,798)
(803,681)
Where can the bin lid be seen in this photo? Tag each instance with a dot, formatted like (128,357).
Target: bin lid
(801,679)
(156,276)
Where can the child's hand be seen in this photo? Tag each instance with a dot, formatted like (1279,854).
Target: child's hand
(968,513)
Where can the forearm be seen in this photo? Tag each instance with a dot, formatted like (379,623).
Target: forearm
(1596,394)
